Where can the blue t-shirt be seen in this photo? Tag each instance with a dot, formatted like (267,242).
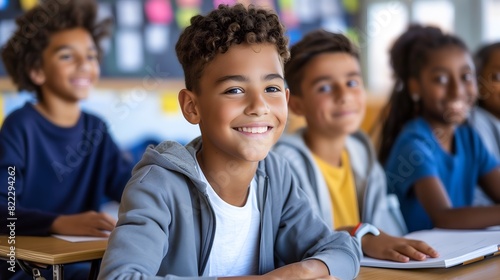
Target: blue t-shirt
(417,154)
(57,170)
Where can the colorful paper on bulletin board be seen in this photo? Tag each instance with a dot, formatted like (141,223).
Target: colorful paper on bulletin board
(159,11)
(129,13)
(184,15)
(227,2)
(353,35)
(129,59)
(289,18)
(334,24)
(169,103)
(156,38)
(189,3)
(28,4)
(245,2)
(330,8)
(351,6)
(285,4)
(7,28)
(306,12)
(104,11)
(4,4)
(269,4)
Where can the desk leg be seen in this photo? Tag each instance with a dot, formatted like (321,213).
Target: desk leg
(94,269)
(58,272)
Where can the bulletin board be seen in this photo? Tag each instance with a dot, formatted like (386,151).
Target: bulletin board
(145,31)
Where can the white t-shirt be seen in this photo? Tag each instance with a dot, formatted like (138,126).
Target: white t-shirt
(235,250)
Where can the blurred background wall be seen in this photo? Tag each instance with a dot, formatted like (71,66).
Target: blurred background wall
(137,93)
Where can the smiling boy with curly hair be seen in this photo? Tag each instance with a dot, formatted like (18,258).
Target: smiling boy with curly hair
(223,206)
(66,162)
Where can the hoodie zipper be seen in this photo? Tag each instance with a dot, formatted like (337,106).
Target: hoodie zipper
(207,248)
(262,252)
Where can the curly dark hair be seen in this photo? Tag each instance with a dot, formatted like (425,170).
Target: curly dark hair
(314,43)
(409,55)
(225,26)
(481,58)
(23,52)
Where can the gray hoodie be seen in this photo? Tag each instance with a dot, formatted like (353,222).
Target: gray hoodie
(488,128)
(375,205)
(166,223)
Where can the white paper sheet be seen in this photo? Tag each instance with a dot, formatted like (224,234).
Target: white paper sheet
(71,238)
(455,247)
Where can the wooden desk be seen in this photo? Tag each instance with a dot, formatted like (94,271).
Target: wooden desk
(485,269)
(54,251)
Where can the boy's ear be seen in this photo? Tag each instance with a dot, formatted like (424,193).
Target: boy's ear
(296,105)
(37,76)
(188,101)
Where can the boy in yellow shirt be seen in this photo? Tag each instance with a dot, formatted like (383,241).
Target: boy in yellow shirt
(334,161)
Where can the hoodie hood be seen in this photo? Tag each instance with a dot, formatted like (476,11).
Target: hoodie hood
(174,157)
(375,205)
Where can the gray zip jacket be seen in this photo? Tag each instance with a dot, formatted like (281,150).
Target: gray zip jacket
(488,128)
(375,205)
(166,223)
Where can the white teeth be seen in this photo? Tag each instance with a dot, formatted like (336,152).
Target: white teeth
(457,105)
(261,129)
(81,82)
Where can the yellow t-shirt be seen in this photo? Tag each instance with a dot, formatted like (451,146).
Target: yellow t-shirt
(340,182)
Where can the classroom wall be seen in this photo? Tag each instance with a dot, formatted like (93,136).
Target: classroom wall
(141,112)
(137,95)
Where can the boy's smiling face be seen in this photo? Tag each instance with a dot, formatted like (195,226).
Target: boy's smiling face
(332,97)
(70,65)
(241,106)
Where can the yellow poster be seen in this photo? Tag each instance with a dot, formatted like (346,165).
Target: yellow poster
(169,103)
(28,4)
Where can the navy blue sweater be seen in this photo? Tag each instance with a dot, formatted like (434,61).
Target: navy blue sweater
(56,170)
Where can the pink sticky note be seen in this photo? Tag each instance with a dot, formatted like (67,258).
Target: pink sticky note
(159,11)
(269,4)
(227,2)
(189,3)
(289,19)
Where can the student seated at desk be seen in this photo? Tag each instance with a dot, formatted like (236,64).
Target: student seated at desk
(334,161)
(223,206)
(61,163)
(433,159)
(485,116)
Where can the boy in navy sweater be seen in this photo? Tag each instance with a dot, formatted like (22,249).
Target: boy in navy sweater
(58,164)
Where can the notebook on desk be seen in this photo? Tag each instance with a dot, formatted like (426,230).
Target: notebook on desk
(455,247)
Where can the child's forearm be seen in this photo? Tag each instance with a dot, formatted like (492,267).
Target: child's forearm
(467,217)
(309,269)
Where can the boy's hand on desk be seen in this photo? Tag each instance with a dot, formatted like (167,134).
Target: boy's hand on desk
(88,223)
(304,270)
(387,247)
